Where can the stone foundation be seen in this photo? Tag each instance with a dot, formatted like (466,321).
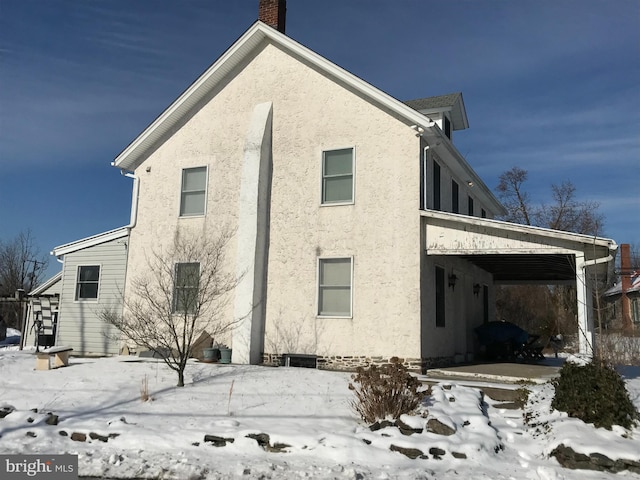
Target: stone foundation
(350,363)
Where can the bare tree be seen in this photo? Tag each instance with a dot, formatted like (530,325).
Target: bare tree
(182,294)
(564,213)
(514,198)
(22,267)
(568,214)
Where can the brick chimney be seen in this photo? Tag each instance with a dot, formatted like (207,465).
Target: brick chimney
(273,13)
(625,277)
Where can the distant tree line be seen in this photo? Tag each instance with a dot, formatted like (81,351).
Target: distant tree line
(22,267)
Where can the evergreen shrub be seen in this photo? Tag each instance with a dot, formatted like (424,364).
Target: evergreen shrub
(594,393)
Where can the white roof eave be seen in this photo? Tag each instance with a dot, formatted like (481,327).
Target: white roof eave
(41,288)
(439,140)
(90,241)
(133,154)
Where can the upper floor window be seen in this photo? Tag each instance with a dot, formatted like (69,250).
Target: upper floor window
(193,193)
(334,287)
(337,176)
(436,186)
(185,287)
(483,213)
(455,197)
(87,282)
(470,205)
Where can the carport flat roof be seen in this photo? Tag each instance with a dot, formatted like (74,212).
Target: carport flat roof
(523,268)
(515,253)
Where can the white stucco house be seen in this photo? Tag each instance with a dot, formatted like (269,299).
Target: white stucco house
(91,281)
(361,232)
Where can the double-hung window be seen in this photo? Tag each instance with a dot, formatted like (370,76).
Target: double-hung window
(185,287)
(87,282)
(193,193)
(334,287)
(337,176)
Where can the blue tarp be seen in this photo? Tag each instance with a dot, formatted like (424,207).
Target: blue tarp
(501,332)
(12,340)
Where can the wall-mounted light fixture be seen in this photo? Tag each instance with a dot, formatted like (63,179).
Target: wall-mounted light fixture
(476,289)
(452,280)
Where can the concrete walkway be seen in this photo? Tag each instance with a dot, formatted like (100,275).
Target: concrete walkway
(507,373)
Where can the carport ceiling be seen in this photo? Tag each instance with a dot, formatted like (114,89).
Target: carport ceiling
(548,268)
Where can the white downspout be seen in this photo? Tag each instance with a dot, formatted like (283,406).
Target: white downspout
(585,320)
(134,198)
(425,197)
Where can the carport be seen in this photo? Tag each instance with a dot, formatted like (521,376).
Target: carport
(521,254)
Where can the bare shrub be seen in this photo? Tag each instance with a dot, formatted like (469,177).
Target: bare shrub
(384,391)
(180,295)
(618,348)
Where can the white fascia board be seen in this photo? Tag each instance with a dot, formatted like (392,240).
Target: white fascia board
(90,241)
(584,240)
(128,159)
(233,54)
(462,169)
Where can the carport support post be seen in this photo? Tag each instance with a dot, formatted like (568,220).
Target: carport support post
(585,317)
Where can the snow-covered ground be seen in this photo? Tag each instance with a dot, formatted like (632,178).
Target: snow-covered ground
(306,410)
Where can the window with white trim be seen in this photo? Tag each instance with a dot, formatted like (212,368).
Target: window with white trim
(334,287)
(337,176)
(193,192)
(185,287)
(87,282)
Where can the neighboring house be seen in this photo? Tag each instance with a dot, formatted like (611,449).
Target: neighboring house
(614,295)
(624,296)
(361,231)
(92,280)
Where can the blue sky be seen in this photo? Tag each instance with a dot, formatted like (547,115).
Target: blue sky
(551,86)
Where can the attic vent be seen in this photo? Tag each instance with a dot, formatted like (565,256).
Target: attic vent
(273,13)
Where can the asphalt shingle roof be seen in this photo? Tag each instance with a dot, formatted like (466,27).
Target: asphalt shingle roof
(451,102)
(428,103)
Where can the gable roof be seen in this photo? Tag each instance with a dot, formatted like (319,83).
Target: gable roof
(259,33)
(451,103)
(90,241)
(46,285)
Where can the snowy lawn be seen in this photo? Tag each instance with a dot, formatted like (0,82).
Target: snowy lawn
(312,430)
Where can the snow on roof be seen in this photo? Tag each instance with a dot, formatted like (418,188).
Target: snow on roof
(617,288)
